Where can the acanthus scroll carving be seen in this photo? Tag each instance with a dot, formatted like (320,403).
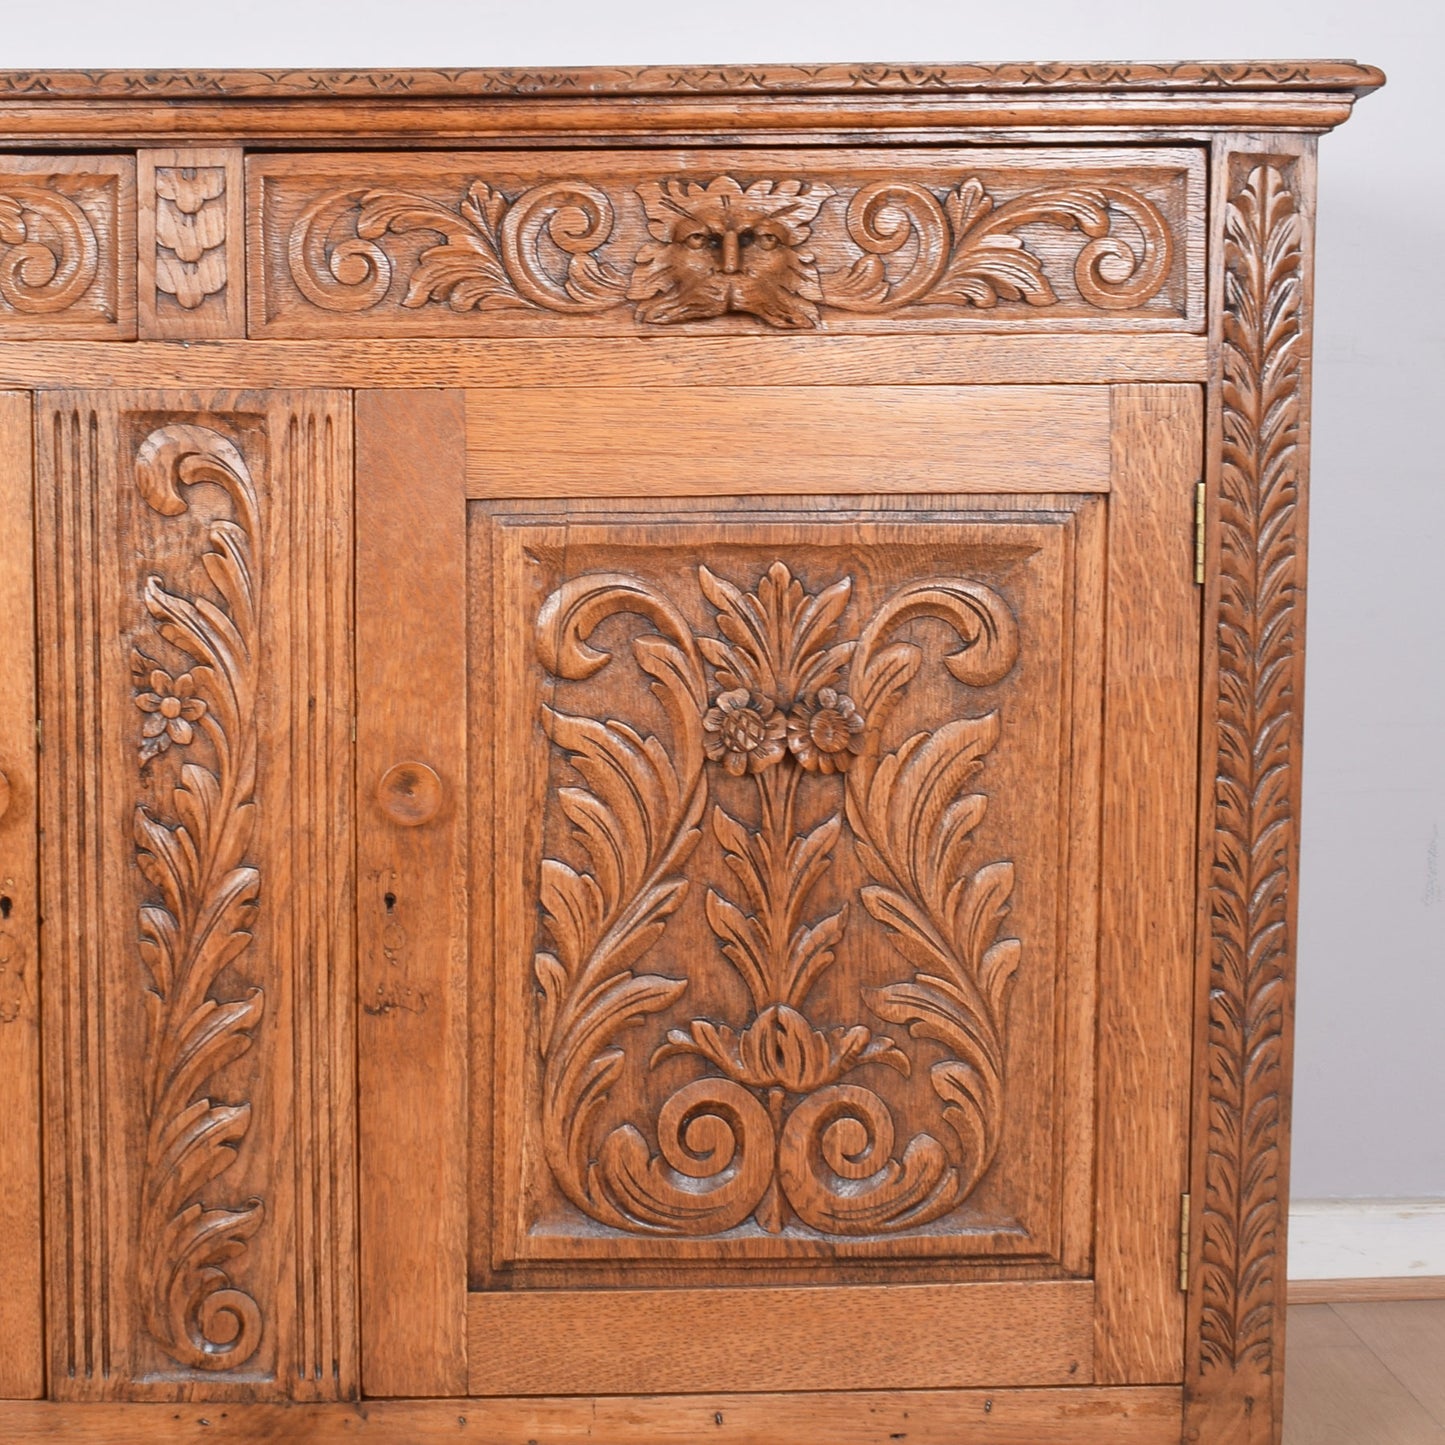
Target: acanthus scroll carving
(725,246)
(779,1126)
(1241,1284)
(202,715)
(49,254)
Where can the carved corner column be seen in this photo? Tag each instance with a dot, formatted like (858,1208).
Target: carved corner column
(194,600)
(1262,222)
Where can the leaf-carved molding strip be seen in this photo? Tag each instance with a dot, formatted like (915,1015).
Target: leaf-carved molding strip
(1026,76)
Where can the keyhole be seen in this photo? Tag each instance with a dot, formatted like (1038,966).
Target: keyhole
(390,901)
(5,906)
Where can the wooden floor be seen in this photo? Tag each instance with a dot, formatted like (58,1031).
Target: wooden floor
(1366,1374)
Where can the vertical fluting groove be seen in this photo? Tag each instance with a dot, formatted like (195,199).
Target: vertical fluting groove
(66,951)
(96,732)
(286,467)
(316,870)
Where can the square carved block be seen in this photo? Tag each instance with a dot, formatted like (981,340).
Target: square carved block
(67,247)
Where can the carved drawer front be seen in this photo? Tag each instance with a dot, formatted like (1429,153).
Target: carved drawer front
(626,243)
(67,247)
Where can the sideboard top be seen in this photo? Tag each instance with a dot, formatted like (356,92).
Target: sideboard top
(701,104)
(656,80)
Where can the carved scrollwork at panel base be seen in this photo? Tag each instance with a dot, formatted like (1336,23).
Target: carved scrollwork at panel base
(775,1131)
(201,721)
(728,246)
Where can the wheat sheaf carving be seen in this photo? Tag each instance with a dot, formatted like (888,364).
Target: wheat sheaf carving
(1254,823)
(776,1129)
(725,246)
(199,927)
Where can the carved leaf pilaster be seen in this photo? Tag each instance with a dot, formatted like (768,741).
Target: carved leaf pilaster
(1240,1250)
(200,926)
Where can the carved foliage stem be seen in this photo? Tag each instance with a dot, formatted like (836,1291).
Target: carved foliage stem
(199,929)
(1250,947)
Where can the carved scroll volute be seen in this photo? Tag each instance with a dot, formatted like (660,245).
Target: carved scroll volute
(67,246)
(1252,791)
(195,692)
(49,255)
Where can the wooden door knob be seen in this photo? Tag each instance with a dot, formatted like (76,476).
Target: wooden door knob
(410,794)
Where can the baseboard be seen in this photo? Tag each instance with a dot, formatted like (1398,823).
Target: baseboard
(1365,1291)
(1366,1249)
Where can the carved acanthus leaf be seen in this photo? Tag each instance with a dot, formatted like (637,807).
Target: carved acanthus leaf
(775,1127)
(202,923)
(1242,1219)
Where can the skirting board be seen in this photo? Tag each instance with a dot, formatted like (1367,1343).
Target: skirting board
(1354,1240)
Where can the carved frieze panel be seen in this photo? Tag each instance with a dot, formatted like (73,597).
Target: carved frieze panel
(67,247)
(194,676)
(779,925)
(799,241)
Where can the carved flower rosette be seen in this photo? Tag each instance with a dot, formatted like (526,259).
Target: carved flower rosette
(717,1014)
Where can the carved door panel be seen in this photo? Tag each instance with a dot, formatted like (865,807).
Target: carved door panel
(775,835)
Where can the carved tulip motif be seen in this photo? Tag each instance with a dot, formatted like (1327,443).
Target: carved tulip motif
(772,1136)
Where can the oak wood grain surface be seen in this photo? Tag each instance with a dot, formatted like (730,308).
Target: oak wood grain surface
(659,361)
(411,903)
(686,840)
(1151,715)
(21,1309)
(962,1417)
(568,441)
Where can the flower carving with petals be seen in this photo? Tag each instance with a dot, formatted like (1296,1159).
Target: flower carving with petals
(171,706)
(825,732)
(743,732)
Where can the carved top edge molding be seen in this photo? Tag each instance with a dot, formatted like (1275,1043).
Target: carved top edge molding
(1036,78)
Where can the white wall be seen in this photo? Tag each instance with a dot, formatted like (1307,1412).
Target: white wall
(1370,1110)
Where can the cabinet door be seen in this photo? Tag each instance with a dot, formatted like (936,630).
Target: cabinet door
(775,886)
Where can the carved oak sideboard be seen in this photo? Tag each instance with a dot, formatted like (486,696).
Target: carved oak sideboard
(651,751)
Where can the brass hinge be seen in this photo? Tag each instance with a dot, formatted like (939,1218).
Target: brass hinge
(1184,1243)
(1200,495)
